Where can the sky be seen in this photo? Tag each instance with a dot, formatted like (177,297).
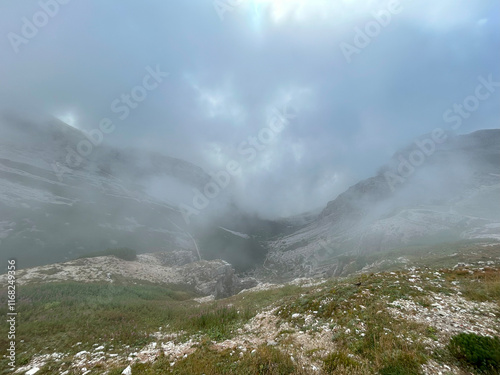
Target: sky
(349,81)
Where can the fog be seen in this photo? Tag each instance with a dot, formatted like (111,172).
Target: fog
(226,75)
(195,115)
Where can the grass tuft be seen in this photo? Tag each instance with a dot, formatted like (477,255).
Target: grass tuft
(479,352)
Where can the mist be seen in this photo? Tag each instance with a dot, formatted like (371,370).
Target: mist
(157,125)
(225,76)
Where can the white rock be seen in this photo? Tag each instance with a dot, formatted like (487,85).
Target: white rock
(34,370)
(127,371)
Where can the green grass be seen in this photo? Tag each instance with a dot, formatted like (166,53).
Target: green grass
(402,364)
(219,324)
(337,361)
(53,317)
(482,285)
(56,316)
(206,360)
(366,339)
(478,352)
(382,342)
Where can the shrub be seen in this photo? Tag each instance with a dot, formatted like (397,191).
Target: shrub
(265,360)
(403,364)
(218,324)
(269,361)
(337,360)
(480,352)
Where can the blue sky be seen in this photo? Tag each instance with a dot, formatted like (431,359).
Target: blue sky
(227,75)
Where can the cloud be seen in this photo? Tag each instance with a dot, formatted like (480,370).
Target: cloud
(226,77)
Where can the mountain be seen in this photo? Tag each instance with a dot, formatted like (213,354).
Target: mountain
(59,201)
(451,196)
(418,245)
(57,204)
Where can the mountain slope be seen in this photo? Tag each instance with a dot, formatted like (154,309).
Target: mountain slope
(55,206)
(400,321)
(452,196)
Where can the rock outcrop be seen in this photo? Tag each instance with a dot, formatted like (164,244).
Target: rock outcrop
(214,277)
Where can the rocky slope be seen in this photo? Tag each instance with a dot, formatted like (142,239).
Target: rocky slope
(124,198)
(57,204)
(398,320)
(452,196)
(215,278)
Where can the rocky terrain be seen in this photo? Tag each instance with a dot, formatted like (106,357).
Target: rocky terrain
(92,202)
(452,196)
(208,278)
(110,198)
(411,307)
(117,197)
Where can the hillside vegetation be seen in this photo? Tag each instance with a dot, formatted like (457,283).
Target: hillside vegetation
(417,319)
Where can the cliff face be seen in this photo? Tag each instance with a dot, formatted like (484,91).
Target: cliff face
(451,196)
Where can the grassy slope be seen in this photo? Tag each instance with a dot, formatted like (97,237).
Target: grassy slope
(55,317)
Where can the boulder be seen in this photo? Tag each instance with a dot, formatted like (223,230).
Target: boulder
(215,277)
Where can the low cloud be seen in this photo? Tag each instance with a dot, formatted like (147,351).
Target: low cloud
(226,76)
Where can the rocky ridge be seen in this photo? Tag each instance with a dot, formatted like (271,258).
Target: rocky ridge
(214,277)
